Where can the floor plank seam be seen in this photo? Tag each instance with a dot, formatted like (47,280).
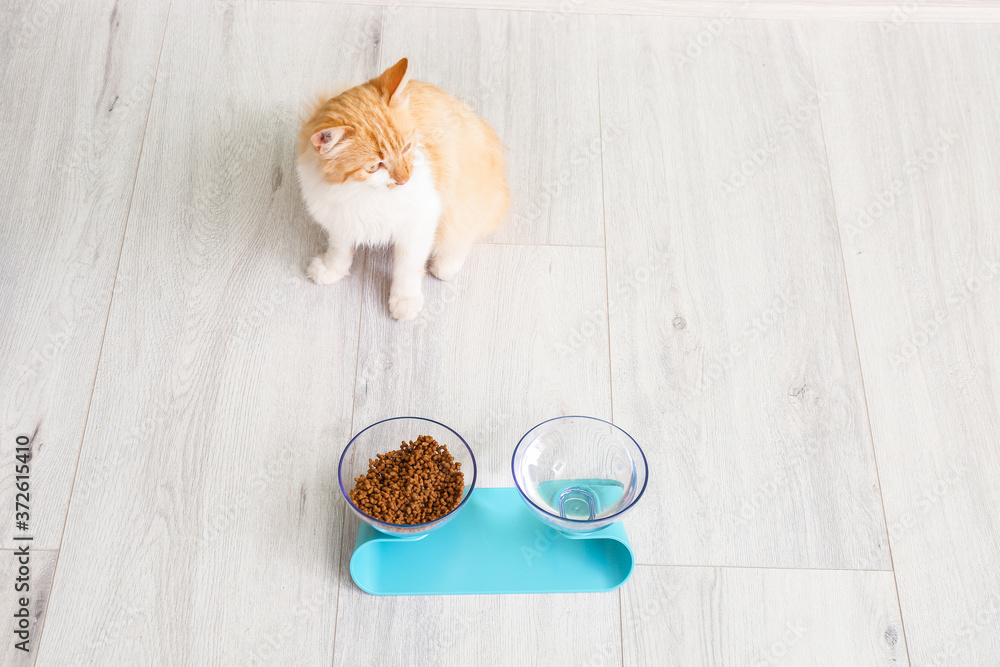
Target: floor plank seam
(765,567)
(354,394)
(607,295)
(986,14)
(604,224)
(548,245)
(343,521)
(857,348)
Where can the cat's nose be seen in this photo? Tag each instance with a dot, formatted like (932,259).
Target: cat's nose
(399,174)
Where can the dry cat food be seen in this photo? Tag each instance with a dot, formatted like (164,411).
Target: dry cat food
(419,482)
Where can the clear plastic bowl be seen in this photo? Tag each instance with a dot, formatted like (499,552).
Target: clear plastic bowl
(388,435)
(579,474)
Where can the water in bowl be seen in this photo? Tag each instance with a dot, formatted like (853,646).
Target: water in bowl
(582,499)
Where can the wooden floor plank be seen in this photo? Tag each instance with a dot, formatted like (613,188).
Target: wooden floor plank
(732,354)
(204,526)
(746,616)
(913,139)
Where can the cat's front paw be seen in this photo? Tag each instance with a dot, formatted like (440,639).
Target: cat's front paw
(405,306)
(445,269)
(321,275)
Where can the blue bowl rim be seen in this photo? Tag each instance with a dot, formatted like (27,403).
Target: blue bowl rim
(582,522)
(411,526)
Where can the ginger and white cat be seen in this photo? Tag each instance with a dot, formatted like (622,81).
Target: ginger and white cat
(401,162)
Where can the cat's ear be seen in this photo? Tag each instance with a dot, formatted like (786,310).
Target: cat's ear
(392,82)
(329,139)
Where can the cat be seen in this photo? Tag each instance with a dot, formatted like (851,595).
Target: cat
(401,162)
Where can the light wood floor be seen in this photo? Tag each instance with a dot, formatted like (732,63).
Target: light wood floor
(768,249)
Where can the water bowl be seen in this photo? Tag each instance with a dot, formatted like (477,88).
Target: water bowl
(579,474)
(388,435)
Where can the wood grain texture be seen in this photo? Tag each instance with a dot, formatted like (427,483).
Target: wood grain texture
(68,151)
(883,11)
(535,82)
(204,528)
(732,353)
(740,616)
(518,337)
(39,580)
(480,630)
(912,136)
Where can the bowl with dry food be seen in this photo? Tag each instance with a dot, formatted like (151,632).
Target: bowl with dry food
(407,476)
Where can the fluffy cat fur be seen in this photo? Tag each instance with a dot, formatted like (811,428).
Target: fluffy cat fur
(401,162)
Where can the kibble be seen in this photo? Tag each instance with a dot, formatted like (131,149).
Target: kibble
(419,482)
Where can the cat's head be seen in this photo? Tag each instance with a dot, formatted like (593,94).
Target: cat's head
(367,133)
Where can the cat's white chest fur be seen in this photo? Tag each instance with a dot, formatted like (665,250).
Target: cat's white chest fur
(371,213)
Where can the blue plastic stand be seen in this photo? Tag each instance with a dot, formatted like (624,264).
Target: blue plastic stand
(493,545)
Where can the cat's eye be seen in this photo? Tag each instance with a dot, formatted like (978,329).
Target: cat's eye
(407,147)
(372,168)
